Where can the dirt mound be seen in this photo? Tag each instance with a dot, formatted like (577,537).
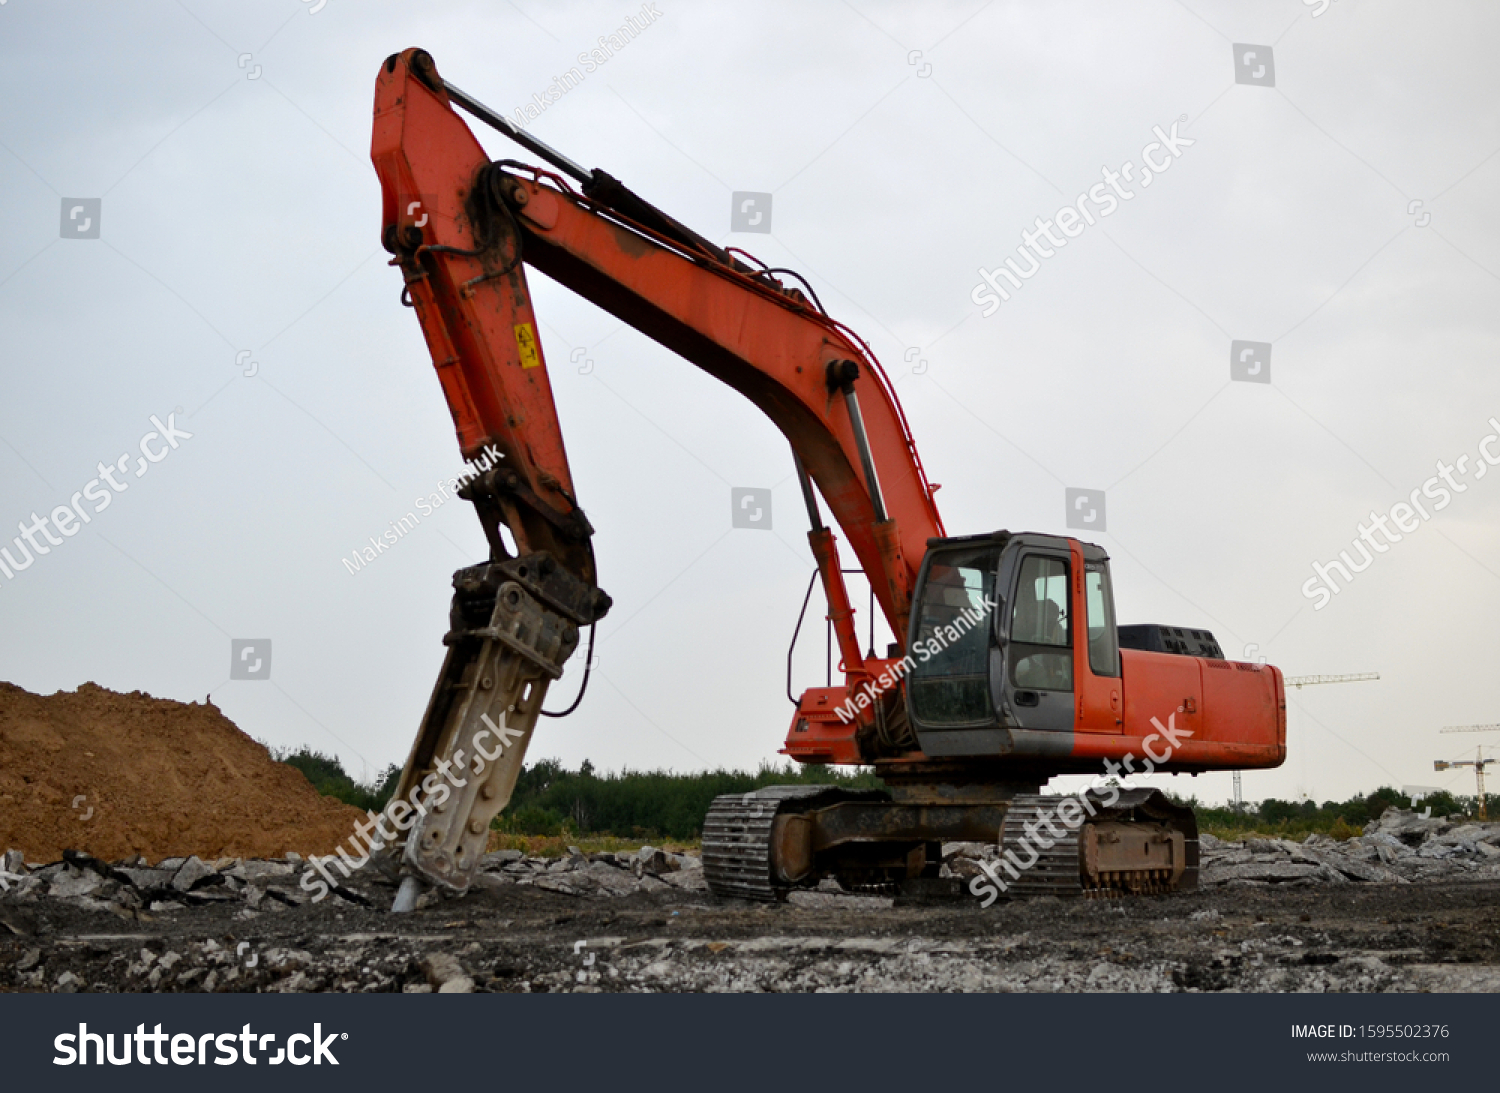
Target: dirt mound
(164,779)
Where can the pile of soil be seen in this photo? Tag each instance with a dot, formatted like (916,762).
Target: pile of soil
(164,779)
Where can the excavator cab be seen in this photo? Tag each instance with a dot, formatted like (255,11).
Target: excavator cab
(1005,633)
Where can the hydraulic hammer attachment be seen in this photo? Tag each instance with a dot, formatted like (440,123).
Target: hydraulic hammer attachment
(513,625)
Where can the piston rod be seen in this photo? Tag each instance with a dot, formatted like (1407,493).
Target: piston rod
(517,134)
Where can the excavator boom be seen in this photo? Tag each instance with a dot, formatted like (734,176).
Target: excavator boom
(465,277)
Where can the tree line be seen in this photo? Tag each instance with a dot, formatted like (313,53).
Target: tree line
(551,800)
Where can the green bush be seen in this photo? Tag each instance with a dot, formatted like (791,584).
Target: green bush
(551,800)
(530,820)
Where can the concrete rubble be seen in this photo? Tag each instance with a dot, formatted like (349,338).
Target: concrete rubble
(644,920)
(133,889)
(1401,847)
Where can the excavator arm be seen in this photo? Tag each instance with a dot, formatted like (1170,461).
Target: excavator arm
(462,230)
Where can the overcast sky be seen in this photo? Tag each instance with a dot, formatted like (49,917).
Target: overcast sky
(1340,207)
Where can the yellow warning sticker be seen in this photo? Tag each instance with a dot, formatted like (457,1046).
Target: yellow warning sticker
(526,343)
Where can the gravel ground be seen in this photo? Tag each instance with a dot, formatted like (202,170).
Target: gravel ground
(1270,917)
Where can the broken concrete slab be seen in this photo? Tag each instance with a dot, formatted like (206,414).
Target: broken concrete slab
(191,873)
(1261,871)
(75,883)
(1349,867)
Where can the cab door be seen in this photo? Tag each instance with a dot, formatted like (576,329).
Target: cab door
(1034,661)
(1100,684)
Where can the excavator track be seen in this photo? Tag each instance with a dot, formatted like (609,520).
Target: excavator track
(737,839)
(1140,844)
(1131,842)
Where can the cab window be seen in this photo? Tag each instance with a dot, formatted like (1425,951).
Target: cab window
(949,681)
(1104,642)
(1041,632)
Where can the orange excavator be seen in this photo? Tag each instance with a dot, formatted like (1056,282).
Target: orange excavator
(1009,668)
